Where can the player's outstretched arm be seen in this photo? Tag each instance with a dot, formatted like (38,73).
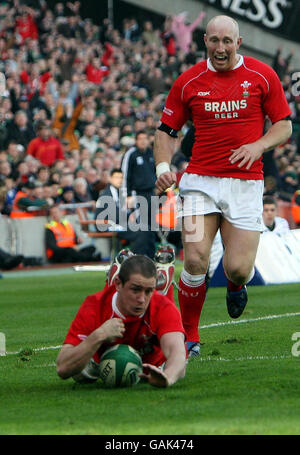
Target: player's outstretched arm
(73,359)
(155,376)
(172,345)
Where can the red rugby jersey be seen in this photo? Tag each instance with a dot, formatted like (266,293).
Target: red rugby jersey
(228,110)
(142,333)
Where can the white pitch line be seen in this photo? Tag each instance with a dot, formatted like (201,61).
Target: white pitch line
(45,348)
(243,321)
(208,359)
(209,326)
(242,359)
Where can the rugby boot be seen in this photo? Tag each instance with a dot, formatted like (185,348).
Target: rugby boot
(236,302)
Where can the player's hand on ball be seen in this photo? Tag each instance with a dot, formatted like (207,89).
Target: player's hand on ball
(112,329)
(154,376)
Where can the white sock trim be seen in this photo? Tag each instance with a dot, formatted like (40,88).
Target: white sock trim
(192,280)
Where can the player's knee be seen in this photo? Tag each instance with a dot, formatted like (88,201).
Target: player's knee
(238,275)
(195,263)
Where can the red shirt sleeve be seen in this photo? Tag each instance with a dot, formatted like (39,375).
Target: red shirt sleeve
(275,104)
(84,322)
(166,316)
(175,113)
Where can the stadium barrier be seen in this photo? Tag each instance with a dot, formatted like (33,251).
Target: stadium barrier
(26,236)
(277,261)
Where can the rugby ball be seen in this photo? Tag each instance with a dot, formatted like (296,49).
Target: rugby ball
(120,366)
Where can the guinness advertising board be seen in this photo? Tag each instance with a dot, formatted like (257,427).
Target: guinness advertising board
(280,17)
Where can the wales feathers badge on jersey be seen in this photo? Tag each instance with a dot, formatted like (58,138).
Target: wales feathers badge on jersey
(245,86)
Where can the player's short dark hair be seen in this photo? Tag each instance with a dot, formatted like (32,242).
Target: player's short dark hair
(269,200)
(137,264)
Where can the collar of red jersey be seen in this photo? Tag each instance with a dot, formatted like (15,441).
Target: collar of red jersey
(239,63)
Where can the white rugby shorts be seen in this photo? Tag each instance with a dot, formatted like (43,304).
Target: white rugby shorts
(239,201)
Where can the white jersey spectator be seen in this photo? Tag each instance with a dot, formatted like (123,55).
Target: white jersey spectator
(272,222)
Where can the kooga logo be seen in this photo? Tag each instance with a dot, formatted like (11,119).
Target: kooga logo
(268,12)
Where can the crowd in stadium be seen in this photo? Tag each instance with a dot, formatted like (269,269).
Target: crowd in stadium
(77,93)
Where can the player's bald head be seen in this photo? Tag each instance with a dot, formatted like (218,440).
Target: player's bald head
(223,21)
(222,41)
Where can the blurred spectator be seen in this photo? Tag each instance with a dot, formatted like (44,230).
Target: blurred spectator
(271,186)
(71,27)
(193,55)
(21,173)
(289,183)
(63,244)
(45,147)
(95,71)
(183,31)
(139,178)
(131,30)
(89,139)
(42,175)
(33,77)
(167,36)
(67,197)
(65,122)
(272,222)
(155,82)
(23,105)
(280,64)
(49,194)
(296,208)
(81,192)
(150,36)
(94,182)
(111,206)
(15,152)
(9,261)
(10,194)
(32,166)
(25,25)
(3,132)
(20,130)
(5,169)
(28,202)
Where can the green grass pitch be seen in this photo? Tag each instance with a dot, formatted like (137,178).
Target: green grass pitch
(246,381)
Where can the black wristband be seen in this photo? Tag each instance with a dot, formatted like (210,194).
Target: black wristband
(167,129)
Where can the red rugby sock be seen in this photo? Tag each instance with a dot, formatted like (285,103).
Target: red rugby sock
(191,300)
(233,287)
